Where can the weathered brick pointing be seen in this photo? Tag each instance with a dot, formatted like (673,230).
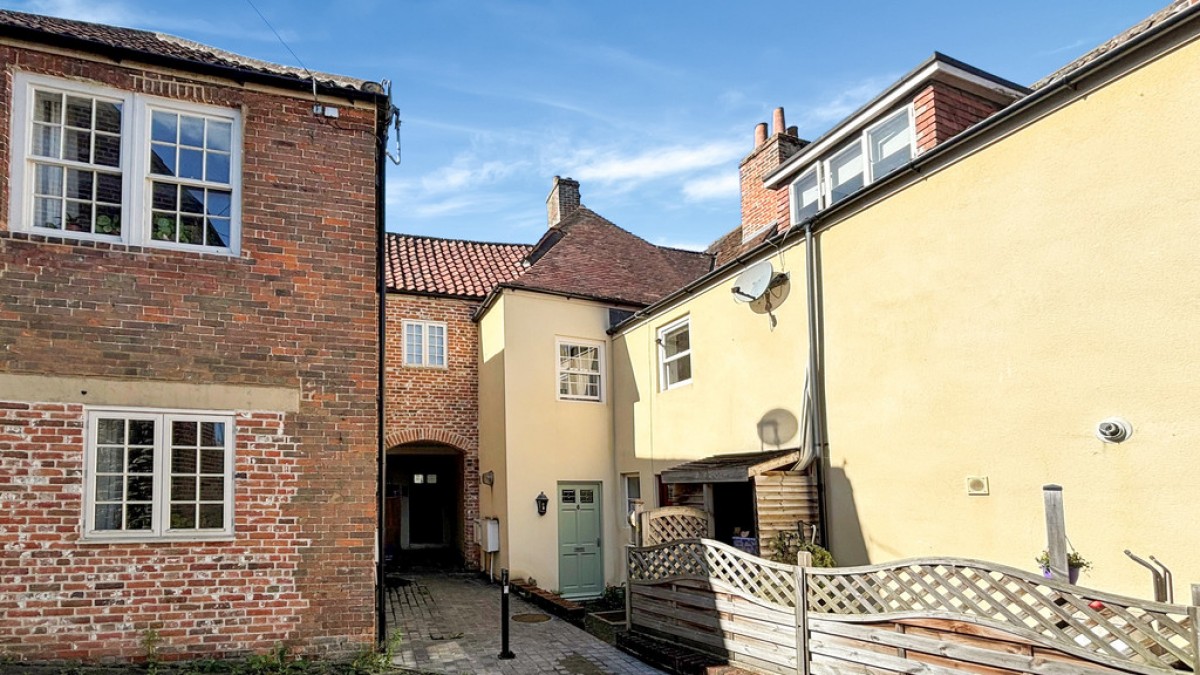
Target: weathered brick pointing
(296,309)
(437,405)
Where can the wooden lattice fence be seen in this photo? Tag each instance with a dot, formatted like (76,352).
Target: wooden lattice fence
(939,616)
(672,523)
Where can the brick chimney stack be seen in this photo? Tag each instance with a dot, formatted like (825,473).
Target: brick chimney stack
(763,208)
(563,199)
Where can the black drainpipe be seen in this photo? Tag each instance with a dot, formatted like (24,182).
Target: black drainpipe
(816,381)
(381,134)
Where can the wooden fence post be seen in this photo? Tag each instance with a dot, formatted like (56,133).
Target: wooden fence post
(1056,532)
(629,587)
(635,522)
(643,527)
(1194,613)
(803,560)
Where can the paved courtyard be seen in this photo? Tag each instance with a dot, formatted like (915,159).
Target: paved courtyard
(451,624)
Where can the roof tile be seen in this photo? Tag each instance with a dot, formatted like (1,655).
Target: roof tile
(453,267)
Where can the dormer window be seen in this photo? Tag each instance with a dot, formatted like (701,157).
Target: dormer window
(880,149)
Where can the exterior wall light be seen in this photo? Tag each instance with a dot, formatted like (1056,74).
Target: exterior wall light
(488,478)
(542,501)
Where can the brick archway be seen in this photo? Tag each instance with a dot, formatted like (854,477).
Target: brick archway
(406,436)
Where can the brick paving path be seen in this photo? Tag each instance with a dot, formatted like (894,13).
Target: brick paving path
(451,624)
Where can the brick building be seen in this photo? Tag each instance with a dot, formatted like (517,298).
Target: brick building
(432,393)
(189,350)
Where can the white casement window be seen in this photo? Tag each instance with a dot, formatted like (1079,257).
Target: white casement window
(580,370)
(158,475)
(424,343)
(633,491)
(675,353)
(100,164)
(879,150)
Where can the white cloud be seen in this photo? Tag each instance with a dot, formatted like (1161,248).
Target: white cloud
(835,107)
(683,244)
(129,16)
(723,185)
(613,167)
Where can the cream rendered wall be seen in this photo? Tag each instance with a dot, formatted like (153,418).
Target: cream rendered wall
(548,440)
(742,370)
(981,322)
(493,499)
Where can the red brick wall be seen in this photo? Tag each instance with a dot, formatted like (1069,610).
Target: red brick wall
(437,404)
(943,111)
(762,206)
(296,309)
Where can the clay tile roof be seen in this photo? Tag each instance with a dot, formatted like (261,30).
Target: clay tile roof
(453,267)
(589,256)
(81,34)
(1155,19)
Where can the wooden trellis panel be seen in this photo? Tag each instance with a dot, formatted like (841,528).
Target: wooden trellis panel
(1130,634)
(719,564)
(672,523)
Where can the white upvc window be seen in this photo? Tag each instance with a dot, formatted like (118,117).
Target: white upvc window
(424,343)
(99,164)
(633,491)
(580,370)
(675,354)
(879,150)
(158,475)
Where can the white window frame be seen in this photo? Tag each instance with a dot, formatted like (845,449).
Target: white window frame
(558,369)
(136,178)
(821,164)
(663,361)
(160,520)
(424,360)
(625,481)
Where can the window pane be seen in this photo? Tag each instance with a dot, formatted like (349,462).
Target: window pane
(183,460)
(633,487)
(47,213)
(414,343)
(191,200)
(212,489)
(139,488)
(48,180)
(845,173)
(183,516)
(217,168)
(108,150)
(191,131)
(436,346)
(108,188)
(108,516)
(108,220)
(77,146)
(163,126)
(212,516)
(110,460)
(141,432)
(80,184)
(108,116)
(47,107)
(183,488)
(46,140)
(219,134)
(212,461)
(191,163)
(111,431)
(679,370)
(890,145)
(163,227)
(183,433)
(110,488)
(217,233)
(676,341)
(162,159)
(808,195)
(79,217)
(212,434)
(218,203)
(79,112)
(141,460)
(137,516)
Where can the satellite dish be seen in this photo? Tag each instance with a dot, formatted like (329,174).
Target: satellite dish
(753,282)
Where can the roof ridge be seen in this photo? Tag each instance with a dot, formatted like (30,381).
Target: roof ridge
(429,237)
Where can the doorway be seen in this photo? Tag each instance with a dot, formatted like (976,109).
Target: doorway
(580,550)
(424,508)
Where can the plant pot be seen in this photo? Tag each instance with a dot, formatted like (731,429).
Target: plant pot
(1072,574)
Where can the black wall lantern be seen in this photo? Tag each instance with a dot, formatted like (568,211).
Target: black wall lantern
(542,501)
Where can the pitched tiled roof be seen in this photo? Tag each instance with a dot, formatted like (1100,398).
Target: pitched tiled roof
(81,34)
(467,269)
(589,256)
(1155,19)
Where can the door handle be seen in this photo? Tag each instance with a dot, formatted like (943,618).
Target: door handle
(597,542)
(579,549)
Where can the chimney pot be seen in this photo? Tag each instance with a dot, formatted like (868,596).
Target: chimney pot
(563,199)
(780,127)
(760,134)
(794,131)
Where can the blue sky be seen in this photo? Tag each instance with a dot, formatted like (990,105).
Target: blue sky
(649,104)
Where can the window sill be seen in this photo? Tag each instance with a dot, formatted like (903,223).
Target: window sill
(677,385)
(90,539)
(568,399)
(424,367)
(115,245)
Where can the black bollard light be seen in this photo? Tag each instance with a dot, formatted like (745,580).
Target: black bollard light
(505,652)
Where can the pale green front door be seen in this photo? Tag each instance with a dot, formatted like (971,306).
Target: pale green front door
(580,559)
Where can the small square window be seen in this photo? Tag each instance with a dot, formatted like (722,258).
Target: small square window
(424,343)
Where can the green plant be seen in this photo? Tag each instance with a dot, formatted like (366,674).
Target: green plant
(787,544)
(150,644)
(1074,561)
(614,597)
(373,662)
(275,662)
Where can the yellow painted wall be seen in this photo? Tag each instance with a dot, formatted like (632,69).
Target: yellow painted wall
(493,499)
(545,440)
(981,323)
(743,372)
